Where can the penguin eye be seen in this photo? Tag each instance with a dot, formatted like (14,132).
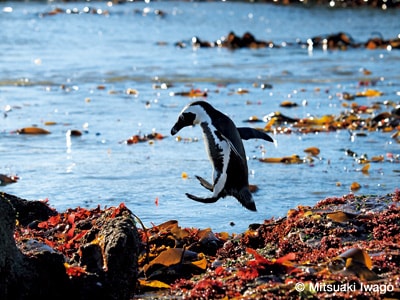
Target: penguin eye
(188,118)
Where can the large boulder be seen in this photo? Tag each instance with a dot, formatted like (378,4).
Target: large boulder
(101,263)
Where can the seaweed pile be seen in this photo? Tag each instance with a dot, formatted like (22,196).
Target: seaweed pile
(355,117)
(342,248)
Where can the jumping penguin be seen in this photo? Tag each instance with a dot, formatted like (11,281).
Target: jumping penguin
(224,146)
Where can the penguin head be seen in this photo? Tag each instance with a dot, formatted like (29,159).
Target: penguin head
(192,114)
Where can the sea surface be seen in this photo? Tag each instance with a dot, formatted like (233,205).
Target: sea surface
(116,72)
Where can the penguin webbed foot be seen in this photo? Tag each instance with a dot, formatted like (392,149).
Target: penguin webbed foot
(202,200)
(205,183)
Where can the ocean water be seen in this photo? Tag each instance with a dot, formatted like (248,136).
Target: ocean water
(74,71)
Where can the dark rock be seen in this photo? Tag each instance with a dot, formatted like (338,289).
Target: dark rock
(40,275)
(28,211)
(92,258)
(33,270)
(11,259)
(121,254)
(114,263)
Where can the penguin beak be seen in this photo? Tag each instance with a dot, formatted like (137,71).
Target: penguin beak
(178,125)
(174,129)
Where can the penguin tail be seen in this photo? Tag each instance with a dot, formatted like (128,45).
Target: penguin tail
(246,199)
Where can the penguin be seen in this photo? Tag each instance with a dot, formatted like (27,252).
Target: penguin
(224,146)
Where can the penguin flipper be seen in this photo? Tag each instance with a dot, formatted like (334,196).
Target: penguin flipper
(205,183)
(202,200)
(247,133)
(231,146)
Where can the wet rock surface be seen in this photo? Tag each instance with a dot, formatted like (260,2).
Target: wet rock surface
(80,254)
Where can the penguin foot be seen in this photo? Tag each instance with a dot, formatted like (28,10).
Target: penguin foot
(203,200)
(205,183)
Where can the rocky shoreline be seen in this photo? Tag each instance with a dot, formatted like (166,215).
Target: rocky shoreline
(79,254)
(343,247)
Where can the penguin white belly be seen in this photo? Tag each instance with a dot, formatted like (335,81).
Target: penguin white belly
(218,151)
(220,180)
